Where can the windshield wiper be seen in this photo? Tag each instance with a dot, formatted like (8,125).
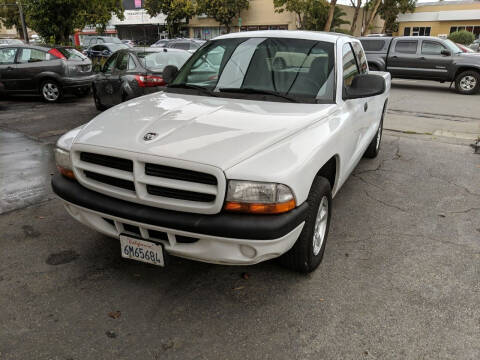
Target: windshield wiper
(258,91)
(191,86)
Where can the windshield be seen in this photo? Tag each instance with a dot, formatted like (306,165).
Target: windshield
(299,69)
(72,54)
(159,59)
(452,47)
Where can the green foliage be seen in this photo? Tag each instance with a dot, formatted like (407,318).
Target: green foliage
(312,14)
(9,16)
(223,11)
(462,37)
(390,9)
(56,20)
(175,10)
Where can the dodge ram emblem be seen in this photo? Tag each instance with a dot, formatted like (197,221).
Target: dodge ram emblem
(149,136)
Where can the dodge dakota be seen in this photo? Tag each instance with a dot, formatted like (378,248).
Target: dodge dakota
(237,160)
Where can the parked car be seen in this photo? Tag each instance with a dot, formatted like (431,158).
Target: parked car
(232,164)
(464,48)
(475,46)
(5,42)
(181,43)
(131,73)
(161,43)
(104,50)
(94,40)
(129,43)
(48,71)
(424,58)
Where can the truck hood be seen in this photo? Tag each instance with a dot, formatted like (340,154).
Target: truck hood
(215,131)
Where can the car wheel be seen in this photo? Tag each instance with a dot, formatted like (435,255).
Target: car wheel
(51,91)
(98,102)
(374,147)
(467,82)
(307,253)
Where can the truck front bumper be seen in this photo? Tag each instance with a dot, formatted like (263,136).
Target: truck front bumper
(224,238)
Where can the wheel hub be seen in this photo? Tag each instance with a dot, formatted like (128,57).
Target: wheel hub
(320,226)
(468,83)
(50,91)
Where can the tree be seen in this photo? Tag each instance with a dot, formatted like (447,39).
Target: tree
(175,11)
(317,16)
(9,16)
(357,6)
(462,37)
(389,11)
(223,11)
(331,10)
(56,20)
(311,14)
(373,8)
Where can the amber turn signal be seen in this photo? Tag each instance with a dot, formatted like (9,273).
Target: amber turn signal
(66,172)
(253,208)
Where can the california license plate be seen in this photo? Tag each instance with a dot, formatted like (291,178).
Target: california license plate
(142,250)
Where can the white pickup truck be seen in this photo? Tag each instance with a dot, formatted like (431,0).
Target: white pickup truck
(237,160)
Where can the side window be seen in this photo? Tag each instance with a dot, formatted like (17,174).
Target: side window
(350,69)
(373,45)
(361,58)
(182,45)
(7,56)
(122,62)
(32,55)
(406,47)
(432,48)
(108,67)
(131,63)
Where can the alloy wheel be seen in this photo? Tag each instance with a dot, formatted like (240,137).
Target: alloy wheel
(50,91)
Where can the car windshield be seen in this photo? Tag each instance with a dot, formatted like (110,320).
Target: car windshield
(157,60)
(297,69)
(72,54)
(113,40)
(452,47)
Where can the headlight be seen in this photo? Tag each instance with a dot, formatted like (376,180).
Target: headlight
(258,197)
(64,163)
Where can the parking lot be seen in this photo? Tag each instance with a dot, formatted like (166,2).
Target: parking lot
(400,277)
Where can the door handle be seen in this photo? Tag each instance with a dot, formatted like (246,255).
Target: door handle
(365,107)
(394,57)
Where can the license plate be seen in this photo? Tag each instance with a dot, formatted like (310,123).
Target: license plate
(142,250)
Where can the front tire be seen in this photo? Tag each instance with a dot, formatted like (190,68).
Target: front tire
(307,253)
(51,91)
(374,147)
(467,82)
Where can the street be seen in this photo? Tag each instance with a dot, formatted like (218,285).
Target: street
(399,280)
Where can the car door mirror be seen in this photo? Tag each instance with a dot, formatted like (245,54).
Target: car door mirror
(364,85)
(169,73)
(445,52)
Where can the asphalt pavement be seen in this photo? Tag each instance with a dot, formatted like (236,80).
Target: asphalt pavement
(400,277)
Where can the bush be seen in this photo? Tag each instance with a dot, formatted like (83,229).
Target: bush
(462,37)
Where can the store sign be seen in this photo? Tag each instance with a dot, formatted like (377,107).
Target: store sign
(140,16)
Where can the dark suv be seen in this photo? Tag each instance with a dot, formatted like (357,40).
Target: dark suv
(48,71)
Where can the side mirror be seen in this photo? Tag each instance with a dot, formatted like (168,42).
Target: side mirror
(170,72)
(445,52)
(364,85)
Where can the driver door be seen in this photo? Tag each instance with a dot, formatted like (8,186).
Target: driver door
(103,85)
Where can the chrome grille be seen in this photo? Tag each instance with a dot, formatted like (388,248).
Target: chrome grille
(150,180)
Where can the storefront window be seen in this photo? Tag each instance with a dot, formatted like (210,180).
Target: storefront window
(473,29)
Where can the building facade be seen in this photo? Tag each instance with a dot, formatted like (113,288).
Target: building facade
(261,15)
(441,18)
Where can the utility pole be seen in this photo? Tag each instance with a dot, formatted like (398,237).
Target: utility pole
(22,18)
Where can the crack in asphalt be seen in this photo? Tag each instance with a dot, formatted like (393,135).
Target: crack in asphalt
(385,203)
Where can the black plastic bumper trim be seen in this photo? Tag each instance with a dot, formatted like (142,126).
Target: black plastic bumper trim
(239,226)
